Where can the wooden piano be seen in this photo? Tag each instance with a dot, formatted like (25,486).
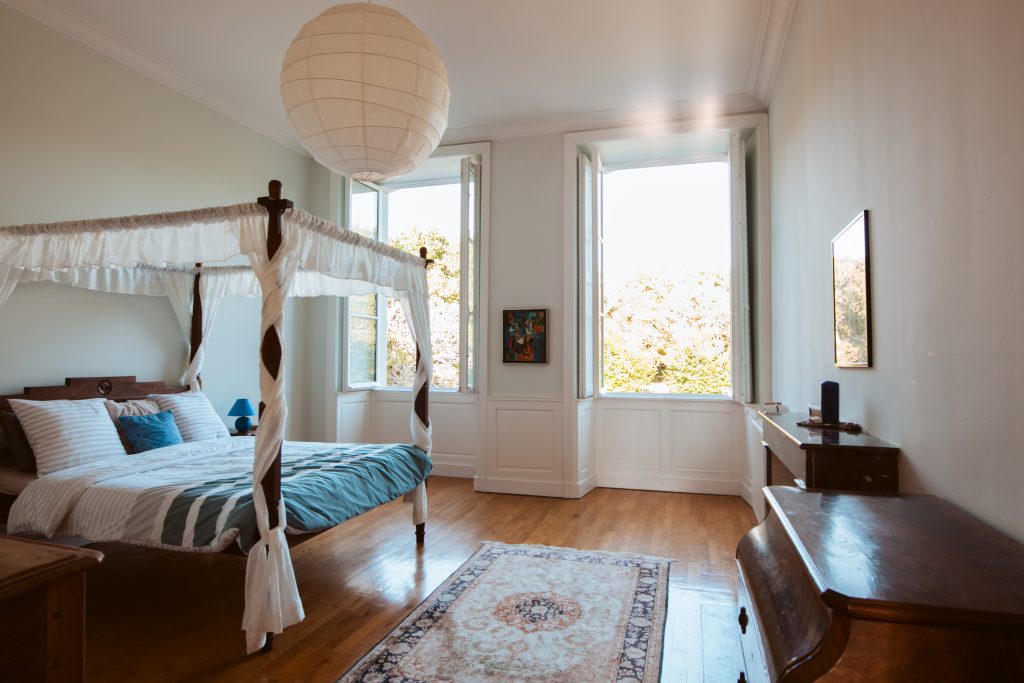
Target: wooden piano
(868,587)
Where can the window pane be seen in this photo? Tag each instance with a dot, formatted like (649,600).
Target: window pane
(365,304)
(362,350)
(401,349)
(667,260)
(428,217)
(364,210)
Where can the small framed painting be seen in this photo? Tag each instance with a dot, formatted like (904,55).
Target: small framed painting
(524,335)
(851,294)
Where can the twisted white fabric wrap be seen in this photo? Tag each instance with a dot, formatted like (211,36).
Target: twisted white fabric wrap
(212,289)
(155,255)
(271,597)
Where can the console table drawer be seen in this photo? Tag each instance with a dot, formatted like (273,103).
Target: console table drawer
(750,637)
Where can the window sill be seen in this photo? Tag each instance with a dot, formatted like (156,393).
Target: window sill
(686,398)
(402,394)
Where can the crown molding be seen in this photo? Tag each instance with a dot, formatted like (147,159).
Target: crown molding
(59,18)
(776,17)
(643,117)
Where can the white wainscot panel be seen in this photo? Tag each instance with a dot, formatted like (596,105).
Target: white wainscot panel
(755,479)
(454,422)
(703,442)
(526,439)
(586,439)
(629,438)
(354,418)
(525,451)
(690,446)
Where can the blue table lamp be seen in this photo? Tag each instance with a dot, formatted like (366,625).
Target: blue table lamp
(244,411)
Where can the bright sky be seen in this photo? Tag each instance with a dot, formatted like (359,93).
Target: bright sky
(435,206)
(668,220)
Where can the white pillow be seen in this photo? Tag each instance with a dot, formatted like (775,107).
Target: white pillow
(64,434)
(195,417)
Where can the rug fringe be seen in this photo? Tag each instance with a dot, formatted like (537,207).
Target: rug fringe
(607,553)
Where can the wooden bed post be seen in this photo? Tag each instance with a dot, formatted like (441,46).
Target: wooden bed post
(422,403)
(272,348)
(272,353)
(197,323)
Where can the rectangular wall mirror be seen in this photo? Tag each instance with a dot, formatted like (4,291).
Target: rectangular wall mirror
(851,294)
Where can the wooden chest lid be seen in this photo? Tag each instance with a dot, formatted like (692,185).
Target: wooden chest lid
(25,565)
(910,558)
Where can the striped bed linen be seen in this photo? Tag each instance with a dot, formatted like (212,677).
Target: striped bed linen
(198,496)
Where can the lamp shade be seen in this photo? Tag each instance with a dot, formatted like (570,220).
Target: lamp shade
(366,91)
(242,407)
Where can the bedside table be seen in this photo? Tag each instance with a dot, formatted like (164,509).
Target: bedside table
(251,432)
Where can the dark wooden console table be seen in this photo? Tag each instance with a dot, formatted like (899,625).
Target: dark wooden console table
(827,458)
(42,610)
(868,587)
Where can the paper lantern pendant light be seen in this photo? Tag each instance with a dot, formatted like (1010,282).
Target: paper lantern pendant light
(366,91)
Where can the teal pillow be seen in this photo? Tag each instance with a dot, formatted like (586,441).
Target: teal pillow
(146,432)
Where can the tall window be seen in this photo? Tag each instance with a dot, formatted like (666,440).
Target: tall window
(363,323)
(666,308)
(437,207)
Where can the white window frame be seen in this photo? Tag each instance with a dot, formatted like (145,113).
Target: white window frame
(475,157)
(740,384)
(347,314)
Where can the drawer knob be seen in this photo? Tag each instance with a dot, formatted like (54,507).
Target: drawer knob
(743,619)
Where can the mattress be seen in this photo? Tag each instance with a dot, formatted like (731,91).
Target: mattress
(13,481)
(198,496)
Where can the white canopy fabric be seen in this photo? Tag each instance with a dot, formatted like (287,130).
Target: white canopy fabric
(156,254)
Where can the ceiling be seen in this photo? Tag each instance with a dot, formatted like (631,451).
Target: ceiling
(514,66)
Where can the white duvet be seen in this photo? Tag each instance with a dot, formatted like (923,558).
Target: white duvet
(125,499)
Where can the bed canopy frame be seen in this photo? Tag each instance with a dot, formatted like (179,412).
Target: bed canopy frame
(290,253)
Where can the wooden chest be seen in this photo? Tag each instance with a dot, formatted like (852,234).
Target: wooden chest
(860,587)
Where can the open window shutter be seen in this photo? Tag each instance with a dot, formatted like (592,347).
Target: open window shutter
(468,289)
(585,275)
(741,347)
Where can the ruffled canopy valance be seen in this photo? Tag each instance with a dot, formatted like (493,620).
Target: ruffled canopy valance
(157,255)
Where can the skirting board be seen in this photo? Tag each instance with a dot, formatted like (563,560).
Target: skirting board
(747,492)
(453,465)
(582,487)
(458,471)
(522,487)
(674,484)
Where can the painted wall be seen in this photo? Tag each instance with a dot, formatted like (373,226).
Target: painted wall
(911,110)
(526,260)
(84,137)
(525,269)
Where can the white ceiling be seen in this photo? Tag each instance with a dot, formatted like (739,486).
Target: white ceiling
(510,62)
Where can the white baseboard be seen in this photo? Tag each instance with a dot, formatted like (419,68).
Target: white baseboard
(583,486)
(747,492)
(522,487)
(675,484)
(456,470)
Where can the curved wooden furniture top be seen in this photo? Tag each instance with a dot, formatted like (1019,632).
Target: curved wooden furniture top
(868,587)
(909,558)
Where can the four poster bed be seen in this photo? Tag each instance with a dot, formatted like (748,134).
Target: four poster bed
(209,494)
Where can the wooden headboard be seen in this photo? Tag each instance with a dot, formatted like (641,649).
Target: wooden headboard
(76,388)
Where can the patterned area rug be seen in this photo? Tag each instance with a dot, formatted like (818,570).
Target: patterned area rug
(531,613)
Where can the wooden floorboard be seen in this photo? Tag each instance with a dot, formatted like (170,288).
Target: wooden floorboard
(157,615)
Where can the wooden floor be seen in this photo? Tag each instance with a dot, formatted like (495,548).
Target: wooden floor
(156,615)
